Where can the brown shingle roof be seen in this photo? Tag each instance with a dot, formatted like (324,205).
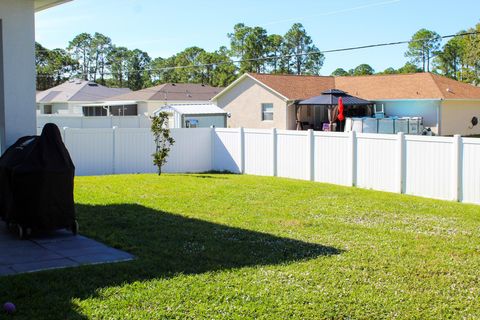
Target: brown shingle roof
(296,87)
(376,87)
(171,92)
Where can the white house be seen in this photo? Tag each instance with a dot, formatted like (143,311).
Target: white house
(151,99)
(78,97)
(17,67)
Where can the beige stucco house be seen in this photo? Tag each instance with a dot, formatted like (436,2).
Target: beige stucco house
(268,101)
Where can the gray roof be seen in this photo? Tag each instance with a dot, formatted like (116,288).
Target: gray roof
(78,90)
(330,97)
(171,92)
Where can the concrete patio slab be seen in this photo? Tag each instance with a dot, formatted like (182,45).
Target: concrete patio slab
(55,250)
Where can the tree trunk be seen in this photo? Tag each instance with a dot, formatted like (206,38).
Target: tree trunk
(423,58)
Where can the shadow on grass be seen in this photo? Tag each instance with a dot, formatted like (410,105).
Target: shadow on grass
(207,175)
(165,245)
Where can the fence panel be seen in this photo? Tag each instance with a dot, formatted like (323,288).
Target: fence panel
(192,151)
(139,121)
(428,167)
(97,122)
(226,153)
(376,161)
(331,158)
(91,150)
(292,154)
(133,151)
(70,122)
(471,171)
(259,152)
(131,122)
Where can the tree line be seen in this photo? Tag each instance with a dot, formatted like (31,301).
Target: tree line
(459,58)
(251,49)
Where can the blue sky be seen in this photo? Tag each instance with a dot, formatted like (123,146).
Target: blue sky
(163,28)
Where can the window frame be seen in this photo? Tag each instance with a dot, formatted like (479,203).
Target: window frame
(263,111)
(49,107)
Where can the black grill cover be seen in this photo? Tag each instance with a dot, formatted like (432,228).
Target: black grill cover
(36,182)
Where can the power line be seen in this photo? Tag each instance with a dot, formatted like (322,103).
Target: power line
(288,56)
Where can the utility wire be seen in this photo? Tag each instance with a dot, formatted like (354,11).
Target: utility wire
(287,56)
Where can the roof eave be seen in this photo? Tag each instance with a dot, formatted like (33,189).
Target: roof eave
(461,99)
(408,99)
(43,5)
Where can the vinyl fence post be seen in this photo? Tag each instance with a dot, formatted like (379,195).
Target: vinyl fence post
(212,149)
(400,163)
(64,135)
(352,140)
(242,150)
(457,168)
(114,139)
(274,152)
(311,154)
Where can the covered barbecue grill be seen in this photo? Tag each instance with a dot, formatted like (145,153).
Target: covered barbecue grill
(36,184)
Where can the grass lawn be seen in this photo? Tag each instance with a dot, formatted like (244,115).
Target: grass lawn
(229,246)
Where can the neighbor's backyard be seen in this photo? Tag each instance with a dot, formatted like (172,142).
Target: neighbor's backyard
(229,246)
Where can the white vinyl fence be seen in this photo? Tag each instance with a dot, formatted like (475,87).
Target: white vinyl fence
(435,167)
(139,121)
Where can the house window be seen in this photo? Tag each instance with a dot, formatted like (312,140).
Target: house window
(101,111)
(124,110)
(94,111)
(267,111)
(47,109)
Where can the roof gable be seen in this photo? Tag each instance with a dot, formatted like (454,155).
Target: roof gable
(452,89)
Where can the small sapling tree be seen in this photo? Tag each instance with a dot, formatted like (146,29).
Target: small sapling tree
(163,140)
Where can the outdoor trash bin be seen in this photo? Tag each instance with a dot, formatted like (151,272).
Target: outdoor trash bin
(36,184)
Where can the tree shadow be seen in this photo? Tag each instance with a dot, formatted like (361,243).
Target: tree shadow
(207,175)
(164,244)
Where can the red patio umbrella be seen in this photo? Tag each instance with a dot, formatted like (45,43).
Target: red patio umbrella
(341,117)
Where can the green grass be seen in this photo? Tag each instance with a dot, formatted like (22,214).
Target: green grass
(230,247)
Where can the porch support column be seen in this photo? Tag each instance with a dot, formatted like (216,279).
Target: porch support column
(17,71)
